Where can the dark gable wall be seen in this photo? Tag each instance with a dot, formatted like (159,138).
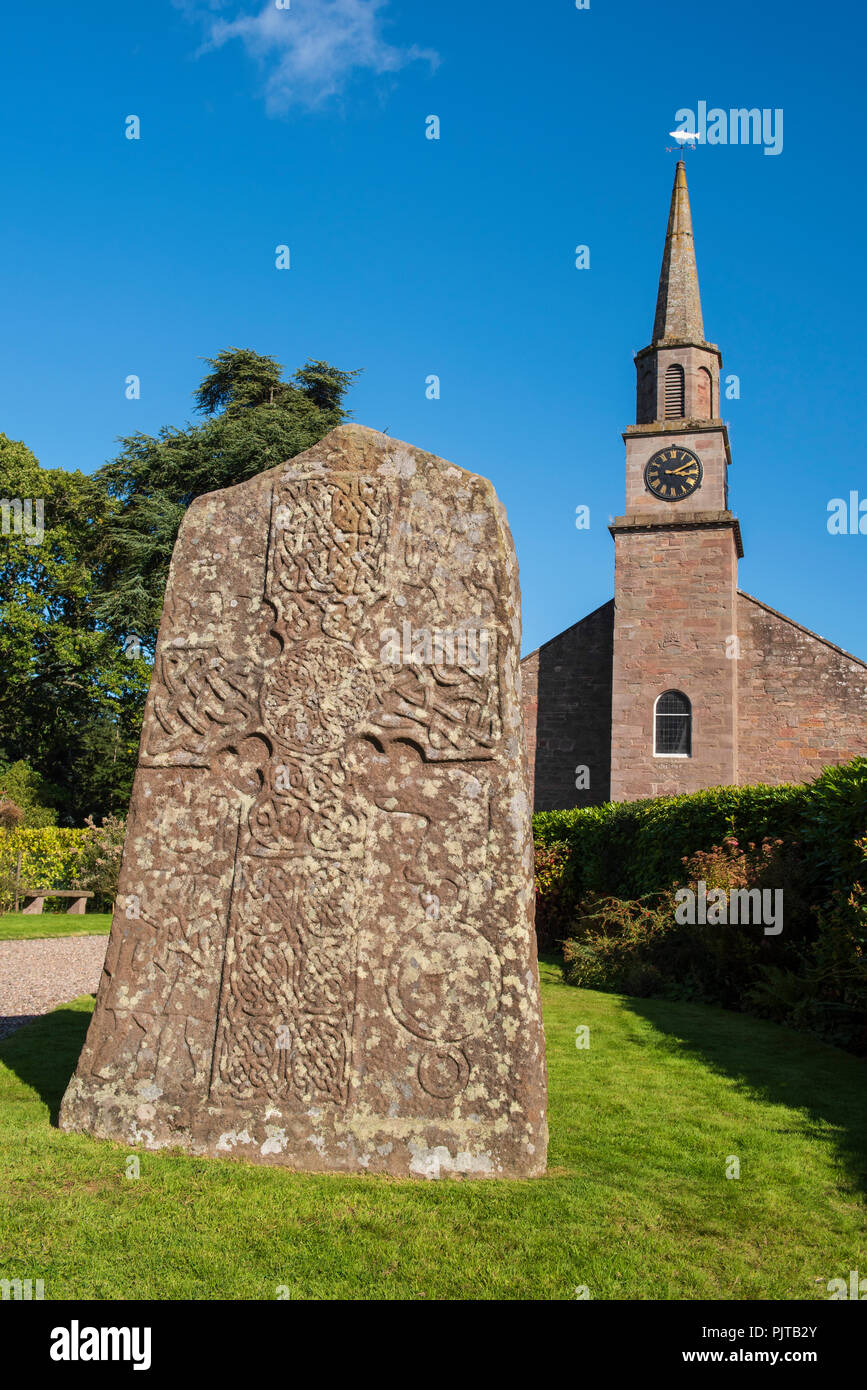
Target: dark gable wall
(567,712)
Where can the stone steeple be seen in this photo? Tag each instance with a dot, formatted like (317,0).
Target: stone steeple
(678,306)
(679,372)
(676,548)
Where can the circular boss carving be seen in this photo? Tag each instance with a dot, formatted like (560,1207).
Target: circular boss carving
(443,1074)
(446,986)
(315,694)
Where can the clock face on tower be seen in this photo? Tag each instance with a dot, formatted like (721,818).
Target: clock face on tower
(673,473)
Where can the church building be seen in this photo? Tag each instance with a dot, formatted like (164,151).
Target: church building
(683,681)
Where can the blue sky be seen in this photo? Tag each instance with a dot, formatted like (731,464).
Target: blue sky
(455,257)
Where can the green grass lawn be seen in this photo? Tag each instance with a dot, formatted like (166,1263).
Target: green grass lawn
(17,926)
(636,1203)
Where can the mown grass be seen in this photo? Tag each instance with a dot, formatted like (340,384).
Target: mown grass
(636,1203)
(19,926)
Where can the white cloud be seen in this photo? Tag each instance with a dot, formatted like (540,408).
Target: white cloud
(309,52)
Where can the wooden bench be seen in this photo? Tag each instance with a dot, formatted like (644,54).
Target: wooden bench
(79,898)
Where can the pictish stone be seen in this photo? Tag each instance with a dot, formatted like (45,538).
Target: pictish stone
(322,954)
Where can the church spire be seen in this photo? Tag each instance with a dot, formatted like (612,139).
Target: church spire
(678,306)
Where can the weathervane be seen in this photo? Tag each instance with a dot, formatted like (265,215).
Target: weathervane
(682,137)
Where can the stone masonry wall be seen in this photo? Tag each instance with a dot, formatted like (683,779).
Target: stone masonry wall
(567,713)
(676,591)
(802,701)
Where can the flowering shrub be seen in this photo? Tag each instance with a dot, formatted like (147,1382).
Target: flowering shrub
(99,859)
(614,943)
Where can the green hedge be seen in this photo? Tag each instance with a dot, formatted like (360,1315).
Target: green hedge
(58,857)
(50,858)
(605,890)
(630,848)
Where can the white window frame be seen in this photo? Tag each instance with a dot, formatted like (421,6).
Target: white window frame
(671,691)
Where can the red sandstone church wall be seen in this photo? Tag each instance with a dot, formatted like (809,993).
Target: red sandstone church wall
(802,702)
(567,713)
(675,613)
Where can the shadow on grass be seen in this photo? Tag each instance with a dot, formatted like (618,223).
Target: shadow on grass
(43,1054)
(778,1064)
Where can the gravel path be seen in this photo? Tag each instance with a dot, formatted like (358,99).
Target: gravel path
(36,976)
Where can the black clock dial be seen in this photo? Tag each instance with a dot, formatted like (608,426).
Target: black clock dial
(673,473)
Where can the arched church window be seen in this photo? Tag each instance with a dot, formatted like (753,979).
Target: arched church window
(704,392)
(674,392)
(672,721)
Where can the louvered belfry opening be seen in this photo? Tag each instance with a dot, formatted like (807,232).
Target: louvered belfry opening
(674,392)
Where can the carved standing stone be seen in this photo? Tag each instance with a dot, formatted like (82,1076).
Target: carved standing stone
(322,954)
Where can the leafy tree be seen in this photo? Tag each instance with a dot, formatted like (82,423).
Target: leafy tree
(79,604)
(254,420)
(241,379)
(70,700)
